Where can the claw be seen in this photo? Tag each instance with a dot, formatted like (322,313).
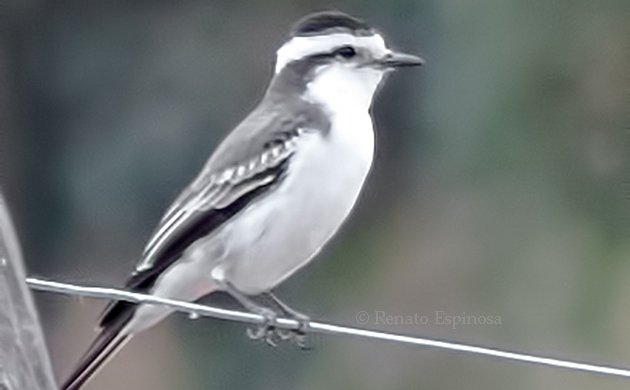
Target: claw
(300,340)
(284,334)
(267,330)
(269,337)
(297,336)
(256,333)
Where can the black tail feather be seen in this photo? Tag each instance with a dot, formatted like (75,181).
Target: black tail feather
(110,339)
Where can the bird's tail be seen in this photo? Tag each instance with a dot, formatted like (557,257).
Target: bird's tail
(109,341)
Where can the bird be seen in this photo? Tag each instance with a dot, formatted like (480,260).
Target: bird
(273,192)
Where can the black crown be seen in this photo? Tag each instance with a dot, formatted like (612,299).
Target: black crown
(319,22)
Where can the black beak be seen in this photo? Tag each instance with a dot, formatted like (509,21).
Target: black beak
(399,60)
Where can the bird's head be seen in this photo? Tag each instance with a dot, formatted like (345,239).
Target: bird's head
(333,57)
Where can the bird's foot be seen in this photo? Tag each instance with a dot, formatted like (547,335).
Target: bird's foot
(271,334)
(299,336)
(266,331)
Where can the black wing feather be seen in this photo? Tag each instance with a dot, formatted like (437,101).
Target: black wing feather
(198,226)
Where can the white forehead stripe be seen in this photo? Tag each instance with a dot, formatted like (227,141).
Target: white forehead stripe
(300,47)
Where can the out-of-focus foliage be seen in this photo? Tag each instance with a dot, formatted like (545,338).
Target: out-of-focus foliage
(501,186)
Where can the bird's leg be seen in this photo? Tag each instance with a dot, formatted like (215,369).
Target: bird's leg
(298,335)
(267,330)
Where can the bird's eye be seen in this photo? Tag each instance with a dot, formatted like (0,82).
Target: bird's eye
(346,52)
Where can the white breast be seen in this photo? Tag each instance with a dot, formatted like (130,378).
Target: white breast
(275,237)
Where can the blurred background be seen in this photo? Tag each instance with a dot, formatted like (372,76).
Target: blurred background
(501,187)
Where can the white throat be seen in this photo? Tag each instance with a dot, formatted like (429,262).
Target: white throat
(342,88)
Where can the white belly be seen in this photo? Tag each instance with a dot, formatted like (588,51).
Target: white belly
(272,239)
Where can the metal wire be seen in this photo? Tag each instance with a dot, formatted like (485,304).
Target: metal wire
(197,310)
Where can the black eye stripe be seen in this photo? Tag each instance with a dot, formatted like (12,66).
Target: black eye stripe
(345,52)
